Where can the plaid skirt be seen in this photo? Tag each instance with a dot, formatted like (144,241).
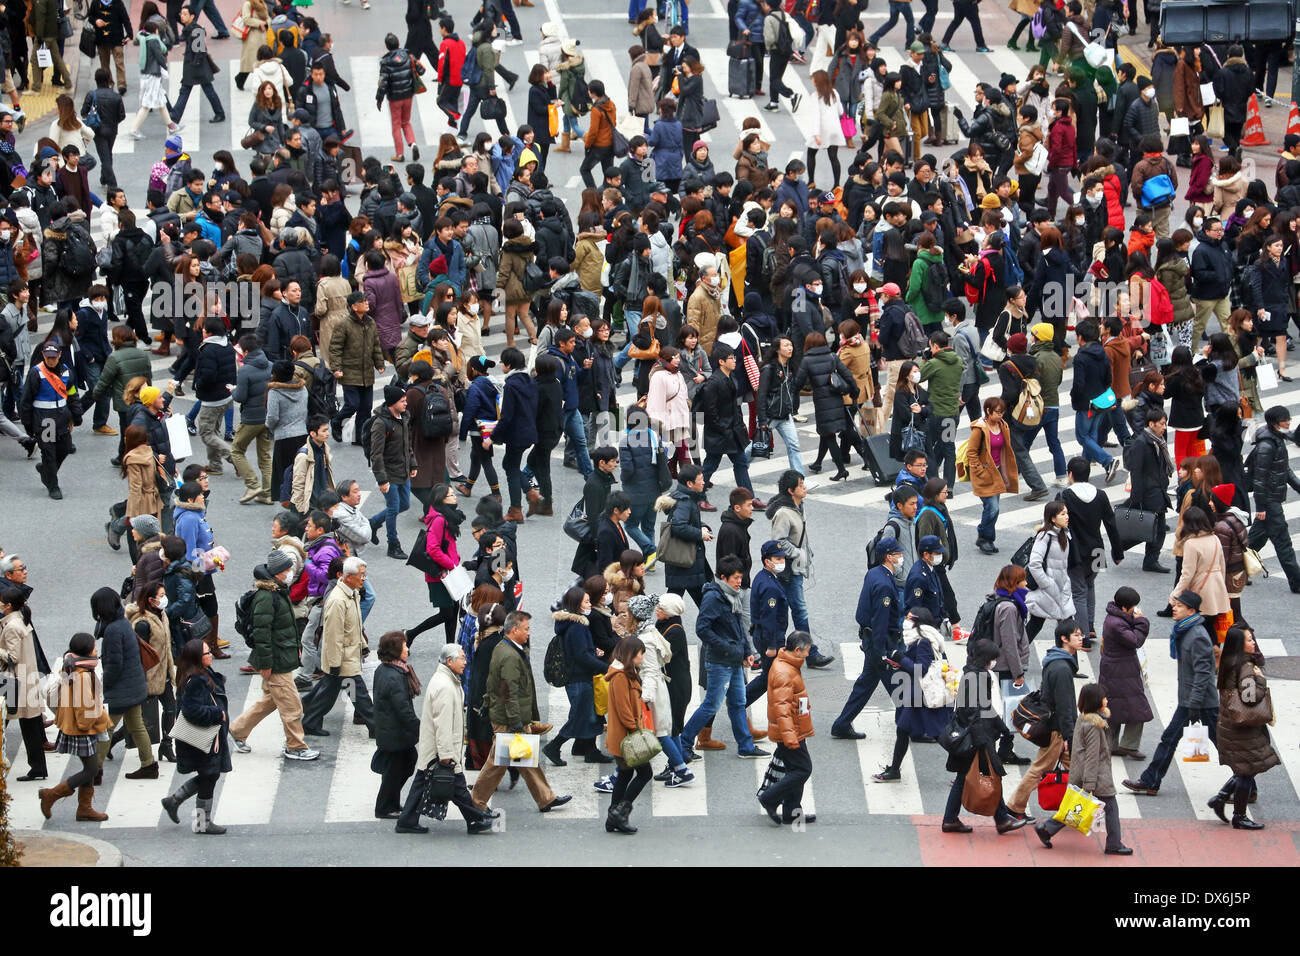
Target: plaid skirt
(78,745)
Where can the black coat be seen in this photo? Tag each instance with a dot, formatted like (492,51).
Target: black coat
(397,727)
(1272,472)
(1091,376)
(550,412)
(830,381)
(733,539)
(517,424)
(539,98)
(1148,474)
(986,727)
(724,427)
(776,399)
(204,703)
(684,517)
(124,681)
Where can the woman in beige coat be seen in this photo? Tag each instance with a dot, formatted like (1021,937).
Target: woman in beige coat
(991,467)
(256,18)
(1203,565)
(640,84)
(18,666)
(331,299)
(140,469)
(150,607)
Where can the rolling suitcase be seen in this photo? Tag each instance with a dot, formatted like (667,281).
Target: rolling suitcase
(740,76)
(883,468)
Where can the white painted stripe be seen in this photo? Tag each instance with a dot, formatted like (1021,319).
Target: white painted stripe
(760,767)
(575,779)
(241,104)
(353,786)
(606,66)
(373,125)
(24,804)
(248,794)
(691,800)
(1286,730)
(192,134)
(134,803)
(433,121)
(874,754)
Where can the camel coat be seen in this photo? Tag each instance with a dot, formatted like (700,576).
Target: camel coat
(987,480)
(18,658)
(142,497)
(1203,572)
(157,677)
(255,40)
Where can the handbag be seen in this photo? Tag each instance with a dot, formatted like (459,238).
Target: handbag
(992,351)
(1077,810)
(981,794)
(419,556)
(761,446)
(1051,789)
(848,126)
(553,118)
(1105,401)
(458,582)
(43,58)
(253,139)
(202,739)
(1214,122)
(492,108)
(439,787)
(577,525)
(913,437)
(1160,349)
(709,118)
(1266,376)
(674,551)
(239,27)
(1254,564)
(149,658)
(178,437)
(92,118)
(86,43)
(1136,526)
(1240,714)
(1138,371)
(640,746)
(1195,744)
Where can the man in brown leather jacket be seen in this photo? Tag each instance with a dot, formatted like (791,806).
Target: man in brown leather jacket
(789,725)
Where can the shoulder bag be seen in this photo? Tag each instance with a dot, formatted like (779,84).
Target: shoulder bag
(203,739)
(674,551)
(982,792)
(640,746)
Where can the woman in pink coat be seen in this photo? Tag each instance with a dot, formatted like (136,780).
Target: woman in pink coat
(442,526)
(384,293)
(667,405)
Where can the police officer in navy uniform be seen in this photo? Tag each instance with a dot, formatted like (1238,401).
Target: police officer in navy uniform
(924,587)
(880,630)
(49,409)
(769,615)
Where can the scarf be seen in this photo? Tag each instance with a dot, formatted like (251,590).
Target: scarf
(1018,595)
(1180,628)
(453,516)
(732,595)
(412,680)
(1163,448)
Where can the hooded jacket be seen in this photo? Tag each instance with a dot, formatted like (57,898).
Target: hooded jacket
(274,636)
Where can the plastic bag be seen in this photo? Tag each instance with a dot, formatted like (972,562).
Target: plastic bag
(519,749)
(1077,809)
(1195,745)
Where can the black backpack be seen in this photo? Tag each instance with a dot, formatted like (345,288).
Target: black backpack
(78,259)
(435,417)
(1032,719)
(982,628)
(244,616)
(535,279)
(784,38)
(581,98)
(321,397)
(834,298)
(555,667)
(933,289)
(886,530)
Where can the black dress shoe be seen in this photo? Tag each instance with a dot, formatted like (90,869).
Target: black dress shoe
(1245,823)
(1119,851)
(1155,567)
(771,811)
(955,827)
(1013,824)
(596,756)
(478,826)
(31,776)
(557,802)
(1137,786)
(415,829)
(821,660)
(1166,611)
(315,732)
(390,815)
(848,734)
(1216,803)
(1014,759)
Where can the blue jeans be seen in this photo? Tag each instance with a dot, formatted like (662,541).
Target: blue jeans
(798,605)
(673,752)
(988,526)
(1085,430)
(622,358)
(570,123)
(398,499)
(367,599)
(739,467)
(178,108)
(641,526)
(582,722)
(790,435)
(1169,740)
(724,680)
(214,15)
(576,430)
(896,9)
(1022,436)
(93,372)
(1051,418)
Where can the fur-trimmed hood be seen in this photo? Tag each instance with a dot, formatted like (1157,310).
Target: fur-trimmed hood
(1098,720)
(558,616)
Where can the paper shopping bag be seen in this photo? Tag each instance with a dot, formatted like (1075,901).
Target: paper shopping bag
(1077,809)
(1195,745)
(1266,376)
(43,58)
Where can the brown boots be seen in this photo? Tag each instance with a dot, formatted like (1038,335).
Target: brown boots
(515,515)
(541,507)
(85,812)
(705,741)
(564,144)
(51,796)
(757,734)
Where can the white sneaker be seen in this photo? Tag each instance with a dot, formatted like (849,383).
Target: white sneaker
(305,754)
(515,41)
(241,746)
(136,134)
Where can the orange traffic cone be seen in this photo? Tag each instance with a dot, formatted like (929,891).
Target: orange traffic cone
(1254,132)
(1293,122)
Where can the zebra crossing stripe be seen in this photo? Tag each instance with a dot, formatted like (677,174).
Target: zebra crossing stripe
(691,800)
(255,773)
(373,125)
(353,786)
(134,803)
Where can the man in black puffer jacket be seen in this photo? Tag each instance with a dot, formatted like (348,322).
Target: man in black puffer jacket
(215,375)
(397,82)
(1091,379)
(1234,85)
(1270,474)
(724,428)
(993,126)
(1211,277)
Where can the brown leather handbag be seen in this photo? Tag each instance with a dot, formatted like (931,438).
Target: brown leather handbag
(982,792)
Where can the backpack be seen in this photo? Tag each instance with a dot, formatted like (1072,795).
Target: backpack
(1247,287)
(436,416)
(932,288)
(78,259)
(534,278)
(366,431)
(840,283)
(1029,406)
(321,397)
(768,265)
(913,341)
(581,98)
(555,667)
(471,74)
(784,46)
(982,628)
(244,615)
(1032,719)
(1038,25)
(889,529)
(975,294)
(1161,309)
(1158,191)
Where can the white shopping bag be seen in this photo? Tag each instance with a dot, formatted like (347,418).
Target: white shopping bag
(43,57)
(1208,95)
(1195,745)
(178,436)
(1266,376)
(458,582)
(1180,126)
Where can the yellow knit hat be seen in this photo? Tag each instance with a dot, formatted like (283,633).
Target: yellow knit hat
(1043,331)
(149,394)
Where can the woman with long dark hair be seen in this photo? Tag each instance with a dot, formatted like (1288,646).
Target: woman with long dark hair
(201,696)
(1049,560)
(442,523)
(1243,744)
(1185,390)
(826,132)
(397,726)
(124,679)
(625,716)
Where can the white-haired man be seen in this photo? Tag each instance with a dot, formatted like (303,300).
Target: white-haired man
(340,651)
(442,741)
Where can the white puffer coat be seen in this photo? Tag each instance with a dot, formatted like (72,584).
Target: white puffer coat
(1049,563)
(654,679)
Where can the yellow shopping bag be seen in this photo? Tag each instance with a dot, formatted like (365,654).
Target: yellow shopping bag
(1078,809)
(600,688)
(519,749)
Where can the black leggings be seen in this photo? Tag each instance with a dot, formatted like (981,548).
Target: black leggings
(207,784)
(630,782)
(539,463)
(480,457)
(447,614)
(902,740)
(834,153)
(86,775)
(829,443)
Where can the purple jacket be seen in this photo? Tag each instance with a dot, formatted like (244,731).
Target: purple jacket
(384,293)
(319,555)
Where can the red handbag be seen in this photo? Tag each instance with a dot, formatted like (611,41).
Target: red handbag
(1051,789)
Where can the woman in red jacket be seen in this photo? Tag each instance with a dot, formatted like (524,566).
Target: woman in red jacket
(1199,191)
(442,524)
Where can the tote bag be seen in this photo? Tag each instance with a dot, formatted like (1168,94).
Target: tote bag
(179,437)
(981,794)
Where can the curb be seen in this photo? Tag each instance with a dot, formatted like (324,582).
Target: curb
(108,855)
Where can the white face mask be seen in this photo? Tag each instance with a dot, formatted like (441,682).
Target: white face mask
(1080,220)
(473,308)
(936,560)
(162,603)
(586,333)
(714,280)
(1149,93)
(509,575)
(1197,222)
(859,287)
(608,598)
(778,567)
(99,305)
(816,289)
(915,376)
(4,236)
(1096,198)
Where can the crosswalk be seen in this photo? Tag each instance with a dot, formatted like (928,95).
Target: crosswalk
(340,788)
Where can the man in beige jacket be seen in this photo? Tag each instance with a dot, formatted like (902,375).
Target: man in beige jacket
(340,652)
(442,742)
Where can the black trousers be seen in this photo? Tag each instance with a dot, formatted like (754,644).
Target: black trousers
(104,140)
(135,293)
(33,730)
(788,791)
(325,694)
(777,70)
(965,10)
(539,466)
(460,797)
(696,593)
(398,765)
(596,157)
(55,441)
(1273,528)
(630,782)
